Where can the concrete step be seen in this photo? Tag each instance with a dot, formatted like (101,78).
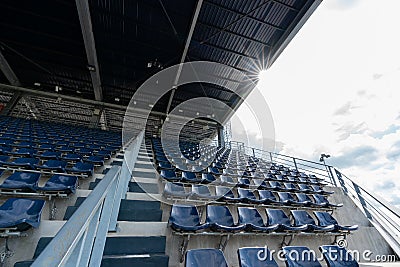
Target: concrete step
(133,187)
(122,251)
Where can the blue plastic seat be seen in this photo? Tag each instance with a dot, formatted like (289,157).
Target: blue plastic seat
(298,256)
(207,178)
(202,191)
(301,217)
(65,184)
(253,220)
(277,186)
(277,216)
(214,171)
(243,182)
(325,219)
(21,213)
(185,218)
(65,149)
(248,196)
(106,154)
(268,197)
(5,150)
(317,189)
(288,199)
(305,188)
(82,168)
(165,166)
(84,152)
(227,180)
(249,257)
(175,190)
(25,181)
(190,177)
(25,152)
(70,157)
(24,144)
(27,163)
(323,201)
(169,175)
(260,184)
(45,147)
(225,194)
(336,256)
(290,187)
(96,160)
(221,220)
(52,165)
(49,155)
(206,257)
(3,159)
(305,200)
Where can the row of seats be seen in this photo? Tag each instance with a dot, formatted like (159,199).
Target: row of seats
(81,168)
(261,197)
(186,218)
(28,182)
(295,256)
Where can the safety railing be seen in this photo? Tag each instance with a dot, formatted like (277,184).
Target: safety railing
(81,240)
(383,215)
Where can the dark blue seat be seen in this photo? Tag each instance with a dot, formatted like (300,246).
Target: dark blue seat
(25,181)
(25,152)
(5,150)
(96,160)
(65,149)
(27,163)
(277,216)
(251,257)
(243,182)
(190,177)
(49,155)
(24,144)
(186,219)
(227,180)
(253,220)
(169,175)
(165,166)
(290,187)
(268,197)
(325,219)
(288,199)
(337,256)
(82,168)
(52,165)
(301,217)
(323,201)
(305,188)
(305,200)
(214,171)
(21,213)
(44,147)
(4,158)
(205,257)
(274,185)
(248,196)
(202,191)
(175,190)
(317,189)
(221,220)
(260,184)
(106,154)
(70,157)
(65,184)
(298,256)
(84,152)
(225,194)
(207,178)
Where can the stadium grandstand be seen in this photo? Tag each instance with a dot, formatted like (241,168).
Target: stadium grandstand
(106,158)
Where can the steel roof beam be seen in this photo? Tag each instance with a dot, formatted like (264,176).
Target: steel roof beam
(90,46)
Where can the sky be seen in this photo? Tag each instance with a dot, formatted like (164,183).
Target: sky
(336,90)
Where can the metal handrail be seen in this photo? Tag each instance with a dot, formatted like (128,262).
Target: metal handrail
(379,212)
(81,240)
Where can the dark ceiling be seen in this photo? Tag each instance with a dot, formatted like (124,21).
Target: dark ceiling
(42,42)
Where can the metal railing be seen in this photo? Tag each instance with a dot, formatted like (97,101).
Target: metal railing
(382,215)
(81,240)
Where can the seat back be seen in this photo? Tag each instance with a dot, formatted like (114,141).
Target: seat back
(266,194)
(220,215)
(277,216)
(256,257)
(205,257)
(224,191)
(189,175)
(337,256)
(324,218)
(250,216)
(208,177)
(320,199)
(168,174)
(184,215)
(201,190)
(303,197)
(300,256)
(285,196)
(174,188)
(246,193)
(301,217)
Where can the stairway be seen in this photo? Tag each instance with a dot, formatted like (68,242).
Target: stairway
(141,236)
